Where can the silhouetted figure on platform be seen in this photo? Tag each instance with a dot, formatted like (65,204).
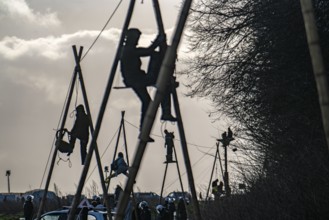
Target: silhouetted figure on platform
(80,130)
(136,78)
(169,144)
(28,208)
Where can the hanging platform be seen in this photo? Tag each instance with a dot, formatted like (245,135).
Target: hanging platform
(172,161)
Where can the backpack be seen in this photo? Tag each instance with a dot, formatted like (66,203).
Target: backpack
(63,146)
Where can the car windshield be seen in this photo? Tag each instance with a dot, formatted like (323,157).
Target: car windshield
(63,216)
(54,216)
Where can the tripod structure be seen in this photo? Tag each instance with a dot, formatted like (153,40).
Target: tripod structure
(77,73)
(217,155)
(167,162)
(123,130)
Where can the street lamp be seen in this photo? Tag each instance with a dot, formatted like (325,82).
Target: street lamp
(8,172)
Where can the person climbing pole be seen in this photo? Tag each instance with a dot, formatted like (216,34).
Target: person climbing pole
(80,130)
(136,78)
(169,144)
(119,166)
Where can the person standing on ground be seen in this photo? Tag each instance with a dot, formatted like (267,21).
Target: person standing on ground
(28,208)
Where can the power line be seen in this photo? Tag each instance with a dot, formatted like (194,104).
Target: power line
(104,152)
(161,136)
(108,20)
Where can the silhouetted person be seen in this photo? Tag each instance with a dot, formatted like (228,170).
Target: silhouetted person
(181,210)
(145,212)
(229,133)
(118,190)
(83,214)
(170,206)
(119,166)
(136,78)
(80,130)
(217,189)
(162,213)
(28,208)
(169,144)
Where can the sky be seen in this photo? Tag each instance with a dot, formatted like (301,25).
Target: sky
(37,64)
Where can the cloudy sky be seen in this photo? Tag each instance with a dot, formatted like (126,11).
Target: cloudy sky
(37,63)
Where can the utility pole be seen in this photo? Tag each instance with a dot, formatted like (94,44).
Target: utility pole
(226,139)
(8,172)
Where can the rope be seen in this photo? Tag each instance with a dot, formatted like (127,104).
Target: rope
(161,136)
(67,160)
(103,153)
(175,180)
(108,20)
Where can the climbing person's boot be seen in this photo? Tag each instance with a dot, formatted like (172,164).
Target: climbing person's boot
(168,117)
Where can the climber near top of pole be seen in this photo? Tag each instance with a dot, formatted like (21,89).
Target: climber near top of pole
(138,79)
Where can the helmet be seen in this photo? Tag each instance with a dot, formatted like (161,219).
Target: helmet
(159,208)
(29,198)
(143,205)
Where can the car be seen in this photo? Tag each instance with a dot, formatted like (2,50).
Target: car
(176,195)
(146,196)
(63,213)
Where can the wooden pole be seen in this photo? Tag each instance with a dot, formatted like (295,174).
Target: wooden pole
(212,171)
(158,16)
(317,62)
(163,182)
(195,203)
